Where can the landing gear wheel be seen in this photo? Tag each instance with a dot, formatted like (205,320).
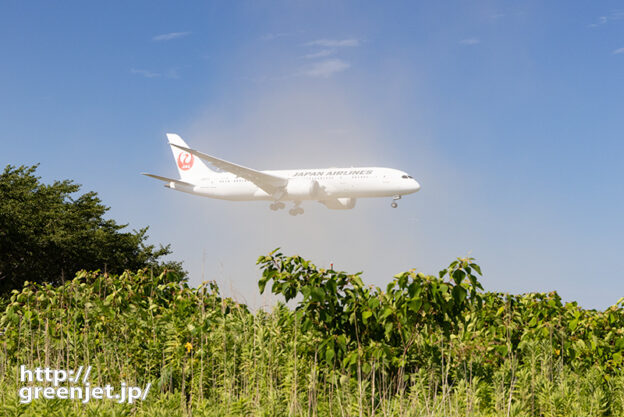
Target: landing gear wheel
(278,205)
(295,211)
(394,205)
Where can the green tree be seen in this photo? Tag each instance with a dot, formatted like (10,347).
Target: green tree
(353,319)
(48,232)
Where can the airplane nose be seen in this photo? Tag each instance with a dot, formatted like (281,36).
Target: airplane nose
(410,186)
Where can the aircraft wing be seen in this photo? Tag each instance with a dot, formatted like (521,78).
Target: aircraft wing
(165,179)
(268,182)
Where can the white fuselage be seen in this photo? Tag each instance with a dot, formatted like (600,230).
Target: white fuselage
(336,188)
(308,184)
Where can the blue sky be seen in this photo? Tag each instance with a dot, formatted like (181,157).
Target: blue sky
(508,113)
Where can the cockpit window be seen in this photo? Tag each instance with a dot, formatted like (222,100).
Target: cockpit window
(404,176)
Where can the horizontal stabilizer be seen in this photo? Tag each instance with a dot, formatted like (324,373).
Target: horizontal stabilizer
(165,179)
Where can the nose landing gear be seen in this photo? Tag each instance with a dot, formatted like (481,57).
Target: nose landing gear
(394,202)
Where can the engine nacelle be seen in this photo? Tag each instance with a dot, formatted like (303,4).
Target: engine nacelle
(345,203)
(302,188)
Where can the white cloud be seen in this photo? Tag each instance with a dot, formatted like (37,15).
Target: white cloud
(320,54)
(618,51)
(145,73)
(470,41)
(603,20)
(272,36)
(327,68)
(335,43)
(171,73)
(170,36)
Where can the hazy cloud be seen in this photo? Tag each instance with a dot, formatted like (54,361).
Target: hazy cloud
(603,20)
(272,36)
(470,41)
(320,54)
(171,73)
(145,73)
(170,36)
(335,43)
(281,129)
(327,68)
(618,51)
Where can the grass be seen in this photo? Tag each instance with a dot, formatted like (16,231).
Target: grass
(210,356)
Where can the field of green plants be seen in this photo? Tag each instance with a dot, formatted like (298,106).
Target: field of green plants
(424,346)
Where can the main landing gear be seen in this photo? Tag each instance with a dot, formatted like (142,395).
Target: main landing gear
(295,210)
(278,205)
(394,202)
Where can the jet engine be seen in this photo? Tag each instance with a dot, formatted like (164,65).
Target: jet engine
(302,188)
(345,203)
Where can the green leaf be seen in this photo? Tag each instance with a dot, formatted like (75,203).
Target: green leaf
(415,305)
(458,276)
(502,349)
(388,329)
(387,312)
(317,294)
(262,284)
(459,294)
(329,355)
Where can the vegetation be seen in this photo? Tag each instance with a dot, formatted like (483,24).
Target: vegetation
(424,346)
(48,233)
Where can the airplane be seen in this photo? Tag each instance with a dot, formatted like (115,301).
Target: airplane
(336,188)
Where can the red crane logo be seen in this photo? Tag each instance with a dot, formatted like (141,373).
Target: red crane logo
(185,161)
